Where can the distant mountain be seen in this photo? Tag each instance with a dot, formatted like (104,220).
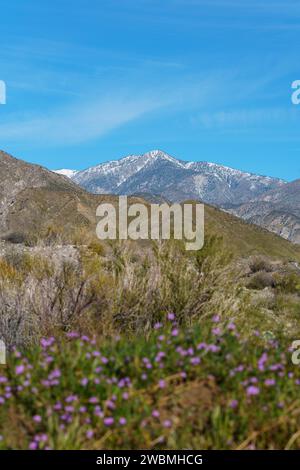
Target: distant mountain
(32,199)
(158,173)
(68,173)
(277,210)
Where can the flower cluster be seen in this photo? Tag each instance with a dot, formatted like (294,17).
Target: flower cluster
(84,392)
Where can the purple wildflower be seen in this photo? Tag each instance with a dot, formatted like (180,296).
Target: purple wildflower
(216,318)
(252,390)
(72,334)
(195,361)
(269,382)
(33,445)
(93,400)
(262,361)
(20,369)
(71,398)
(108,421)
(161,384)
(90,434)
(167,423)
(233,404)
(216,331)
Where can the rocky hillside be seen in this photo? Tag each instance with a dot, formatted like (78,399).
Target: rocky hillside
(33,199)
(277,210)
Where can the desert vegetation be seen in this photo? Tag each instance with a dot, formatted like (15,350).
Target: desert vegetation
(53,289)
(178,387)
(130,345)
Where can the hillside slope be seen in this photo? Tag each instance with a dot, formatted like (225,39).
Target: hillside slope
(33,199)
(277,210)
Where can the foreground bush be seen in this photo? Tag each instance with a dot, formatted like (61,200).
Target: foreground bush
(181,388)
(47,292)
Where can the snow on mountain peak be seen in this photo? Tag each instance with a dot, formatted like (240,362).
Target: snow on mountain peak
(158,154)
(157,172)
(66,172)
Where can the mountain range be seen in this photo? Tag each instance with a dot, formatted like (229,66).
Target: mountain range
(277,210)
(158,173)
(34,200)
(269,202)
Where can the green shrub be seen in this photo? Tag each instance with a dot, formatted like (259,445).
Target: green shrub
(288,283)
(259,263)
(15,238)
(261,280)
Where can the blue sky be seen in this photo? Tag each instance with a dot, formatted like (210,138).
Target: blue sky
(89,81)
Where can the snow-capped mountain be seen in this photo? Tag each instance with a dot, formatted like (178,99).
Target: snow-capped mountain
(156,172)
(65,172)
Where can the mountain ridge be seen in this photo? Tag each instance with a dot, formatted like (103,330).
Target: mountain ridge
(158,172)
(277,210)
(37,200)
(271,203)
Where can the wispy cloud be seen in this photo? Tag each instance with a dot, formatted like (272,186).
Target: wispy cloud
(81,122)
(243,118)
(99,114)
(60,67)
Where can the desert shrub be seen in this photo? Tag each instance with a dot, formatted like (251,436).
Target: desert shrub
(26,264)
(7,271)
(288,307)
(213,256)
(261,280)
(15,238)
(83,236)
(50,297)
(259,263)
(125,290)
(49,235)
(129,289)
(96,247)
(288,283)
(166,279)
(52,235)
(16,259)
